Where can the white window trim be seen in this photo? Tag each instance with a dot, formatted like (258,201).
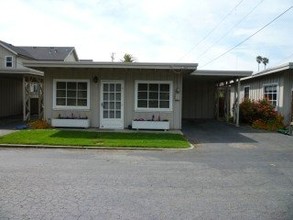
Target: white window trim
(154,109)
(244,91)
(278,92)
(60,107)
(12,62)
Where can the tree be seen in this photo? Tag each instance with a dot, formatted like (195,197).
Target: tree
(265,61)
(259,59)
(128,58)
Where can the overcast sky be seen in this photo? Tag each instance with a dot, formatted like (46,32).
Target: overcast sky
(156,30)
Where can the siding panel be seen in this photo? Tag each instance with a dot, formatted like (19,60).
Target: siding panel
(284,80)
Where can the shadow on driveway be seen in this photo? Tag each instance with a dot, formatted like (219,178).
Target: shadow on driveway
(10,124)
(212,131)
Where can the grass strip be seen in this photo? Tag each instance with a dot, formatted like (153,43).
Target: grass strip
(95,139)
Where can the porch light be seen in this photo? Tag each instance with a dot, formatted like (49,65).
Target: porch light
(95,79)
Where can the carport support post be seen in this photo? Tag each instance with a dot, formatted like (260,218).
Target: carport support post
(237,103)
(26,80)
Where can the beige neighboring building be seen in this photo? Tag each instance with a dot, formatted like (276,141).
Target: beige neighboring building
(21,87)
(274,84)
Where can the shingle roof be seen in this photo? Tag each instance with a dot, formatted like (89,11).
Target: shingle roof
(41,53)
(17,50)
(49,53)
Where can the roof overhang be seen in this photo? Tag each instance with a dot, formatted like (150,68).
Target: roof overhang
(7,48)
(177,67)
(220,75)
(20,72)
(276,69)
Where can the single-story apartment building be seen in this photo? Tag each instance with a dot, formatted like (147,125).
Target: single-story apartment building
(117,95)
(275,84)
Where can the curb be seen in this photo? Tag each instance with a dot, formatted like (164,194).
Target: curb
(92,148)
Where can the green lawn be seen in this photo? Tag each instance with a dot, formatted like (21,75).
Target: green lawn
(95,139)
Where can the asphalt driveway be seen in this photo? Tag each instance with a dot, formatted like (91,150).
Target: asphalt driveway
(233,173)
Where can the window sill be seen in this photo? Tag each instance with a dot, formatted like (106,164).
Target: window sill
(153,110)
(70,109)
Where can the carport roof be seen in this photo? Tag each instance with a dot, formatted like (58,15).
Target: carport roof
(20,72)
(221,75)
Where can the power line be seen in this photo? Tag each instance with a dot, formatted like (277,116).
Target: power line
(208,34)
(246,39)
(224,35)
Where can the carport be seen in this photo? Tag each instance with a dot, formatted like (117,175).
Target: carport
(206,94)
(21,93)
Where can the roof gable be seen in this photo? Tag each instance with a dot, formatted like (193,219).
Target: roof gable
(16,50)
(41,53)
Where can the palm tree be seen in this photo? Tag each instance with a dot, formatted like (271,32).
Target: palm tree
(128,58)
(259,59)
(265,61)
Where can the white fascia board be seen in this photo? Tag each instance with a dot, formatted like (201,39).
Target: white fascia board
(231,73)
(114,65)
(283,67)
(7,48)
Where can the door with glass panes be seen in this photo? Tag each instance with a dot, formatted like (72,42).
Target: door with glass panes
(112,105)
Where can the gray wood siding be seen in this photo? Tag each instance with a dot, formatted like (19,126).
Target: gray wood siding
(129,78)
(198,98)
(10,96)
(256,90)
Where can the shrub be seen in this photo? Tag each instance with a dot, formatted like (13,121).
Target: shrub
(260,114)
(39,124)
(248,111)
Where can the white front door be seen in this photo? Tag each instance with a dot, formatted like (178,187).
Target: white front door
(112,105)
